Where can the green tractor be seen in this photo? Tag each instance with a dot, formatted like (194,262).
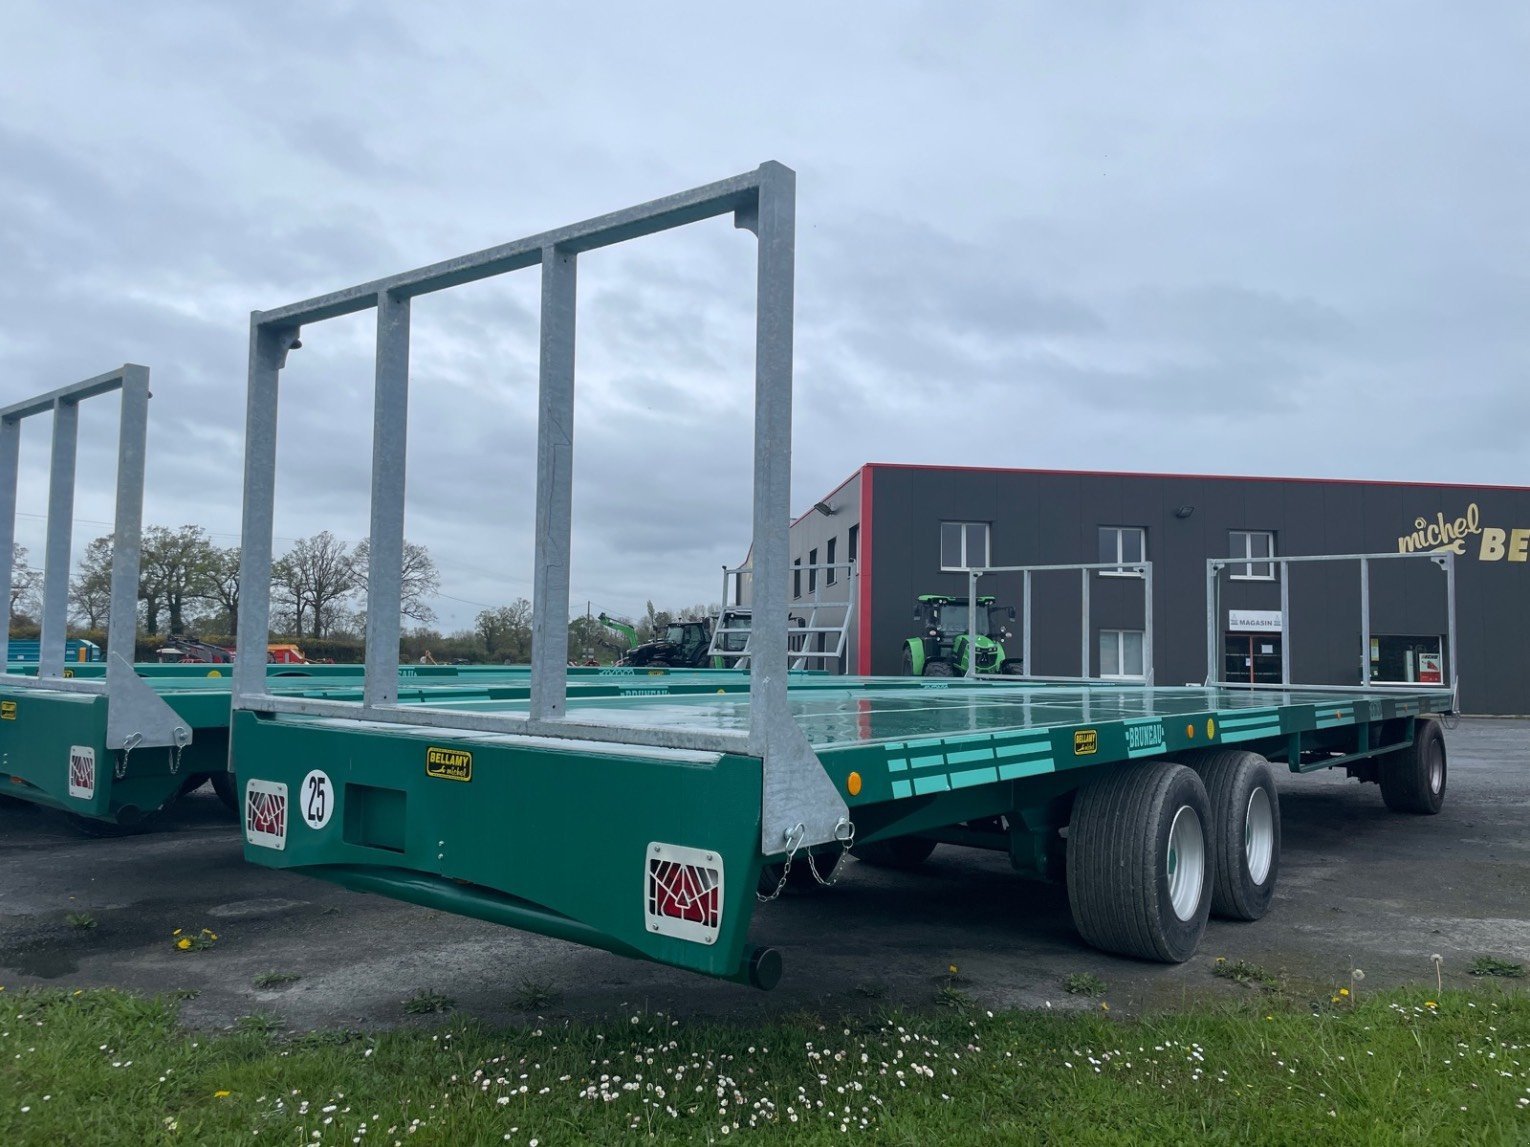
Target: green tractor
(943,646)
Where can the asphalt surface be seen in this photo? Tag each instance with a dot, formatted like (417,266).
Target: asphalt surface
(1359,887)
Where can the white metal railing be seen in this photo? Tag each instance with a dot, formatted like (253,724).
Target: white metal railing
(809,620)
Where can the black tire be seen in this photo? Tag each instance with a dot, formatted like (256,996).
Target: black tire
(1413,779)
(1245,830)
(896,852)
(939,669)
(1130,893)
(800,879)
(1012,667)
(658,663)
(227,788)
(908,662)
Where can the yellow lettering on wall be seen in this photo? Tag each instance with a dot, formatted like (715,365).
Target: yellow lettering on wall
(1519,545)
(1492,544)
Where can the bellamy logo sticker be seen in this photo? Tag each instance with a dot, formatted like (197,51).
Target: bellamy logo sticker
(1086,742)
(449,764)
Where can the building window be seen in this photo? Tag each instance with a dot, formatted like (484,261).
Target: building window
(812,571)
(1252,544)
(796,577)
(963,545)
(828,574)
(1121,653)
(853,544)
(1123,544)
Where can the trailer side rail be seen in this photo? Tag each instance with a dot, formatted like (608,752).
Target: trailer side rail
(798,801)
(1215,567)
(136,717)
(1086,629)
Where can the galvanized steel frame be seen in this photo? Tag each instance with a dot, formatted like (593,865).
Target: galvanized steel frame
(1445,559)
(797,794)
(1084,569)
(136,714)
(815,601)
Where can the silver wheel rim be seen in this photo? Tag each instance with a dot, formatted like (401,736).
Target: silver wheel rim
(1186,862)
(1259,835)
(1436,769)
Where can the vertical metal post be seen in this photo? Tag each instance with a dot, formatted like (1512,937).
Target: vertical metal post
(775,226)
(127,531)
(555,482)
(1025,621)
(10,456)
(1147,623)
(55,604)
(1285,623)
(268,354)
(1213,614)
(390,441)
(1084,646)
(1365,622)
(972,613)
(1450,622)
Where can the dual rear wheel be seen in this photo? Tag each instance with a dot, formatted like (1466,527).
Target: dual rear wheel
(1155,849)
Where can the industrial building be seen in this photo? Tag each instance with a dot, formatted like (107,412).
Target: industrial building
(911,530)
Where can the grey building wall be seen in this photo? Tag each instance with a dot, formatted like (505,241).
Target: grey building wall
(1040,517)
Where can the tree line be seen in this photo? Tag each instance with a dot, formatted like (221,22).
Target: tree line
(187,584)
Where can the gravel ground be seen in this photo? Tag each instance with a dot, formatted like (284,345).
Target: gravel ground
(1359,887)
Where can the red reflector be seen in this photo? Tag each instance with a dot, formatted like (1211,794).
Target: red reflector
(689,892)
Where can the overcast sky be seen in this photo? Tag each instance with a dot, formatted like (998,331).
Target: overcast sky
(1196,237)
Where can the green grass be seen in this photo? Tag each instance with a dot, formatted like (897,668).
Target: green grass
(82,920)
(532,996)
(1399,1067)
(1083,984)
(1493,966)
(1242,972)
(426,1002)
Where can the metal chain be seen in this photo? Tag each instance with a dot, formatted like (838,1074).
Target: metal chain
(127,750)
(793,842)
(181,737)
(844,832)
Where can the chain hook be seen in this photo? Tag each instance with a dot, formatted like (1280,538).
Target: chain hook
(844,832)
(182,737)
(130,743)
(794,837)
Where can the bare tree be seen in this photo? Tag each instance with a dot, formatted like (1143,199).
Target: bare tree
(311,580)
(24,583)
(90,590)
(419,578)
(222,588)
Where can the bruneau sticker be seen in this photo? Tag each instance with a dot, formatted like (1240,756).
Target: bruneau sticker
(449,764)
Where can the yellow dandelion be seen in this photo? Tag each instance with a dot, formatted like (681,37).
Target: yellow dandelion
(221,1094)
(1343,991)
(183,943)
(951,968)
(1268,1018)
(1430,1004)
(1104,1007)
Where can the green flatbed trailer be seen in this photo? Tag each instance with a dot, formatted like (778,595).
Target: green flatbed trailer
(643,824)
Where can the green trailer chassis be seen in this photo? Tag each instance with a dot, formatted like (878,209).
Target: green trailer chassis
(655,853)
